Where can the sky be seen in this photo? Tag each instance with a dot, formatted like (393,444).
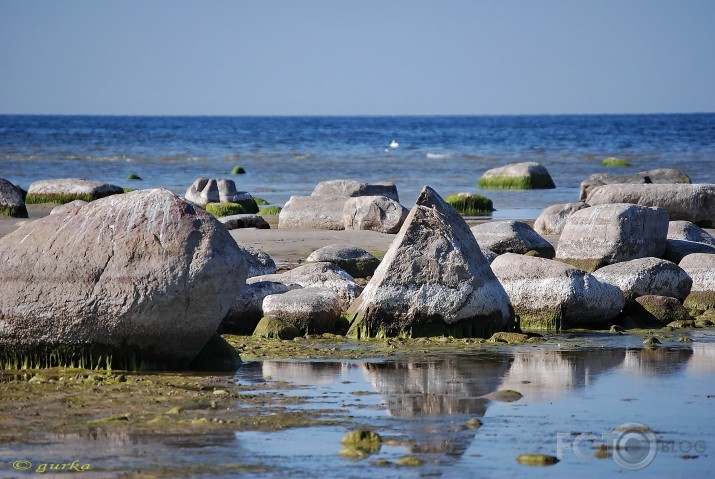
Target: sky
(367,57)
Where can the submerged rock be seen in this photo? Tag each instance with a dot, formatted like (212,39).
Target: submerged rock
(511,237)
(548,294)
(517,176)
(607,234)
(433,280)
(69,189)
(11,201)
(143,276)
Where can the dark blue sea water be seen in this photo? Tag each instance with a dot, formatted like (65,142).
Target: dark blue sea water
(286,156)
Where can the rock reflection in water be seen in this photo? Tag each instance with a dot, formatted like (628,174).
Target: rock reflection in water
(703,359)
(656,361)
(549,374)
(304,373)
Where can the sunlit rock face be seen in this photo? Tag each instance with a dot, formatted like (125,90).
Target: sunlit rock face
(550,374)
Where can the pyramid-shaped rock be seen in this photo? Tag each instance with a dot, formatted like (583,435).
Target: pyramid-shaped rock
(434,280)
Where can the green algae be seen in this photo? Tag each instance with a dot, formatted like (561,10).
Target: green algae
(589,265)
(368,325)
(269,327)
(612,161)
(57,198)
(225,209)
(410,461)
(238,170)
(698,302)
(534,182)
(536,460)
(471,204)
(134,177)
(260,201)
(14,211)
(270,211)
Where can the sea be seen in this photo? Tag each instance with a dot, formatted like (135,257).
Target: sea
(285,156)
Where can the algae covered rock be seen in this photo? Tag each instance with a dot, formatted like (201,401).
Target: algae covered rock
(647,276)
(433,280)
(220,190)
(663,309)
(517,176)
(11,200)
(471,204)
(356,261)
(701,268)
(69,189)
(310,310)
(552,220)
(551,295)
(611,233)
(511,237)
(142,276)
(271,328)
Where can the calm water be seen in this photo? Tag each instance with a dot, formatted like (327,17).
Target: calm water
(574,398)
(284,156)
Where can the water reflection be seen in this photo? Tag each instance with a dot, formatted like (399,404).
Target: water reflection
(656,361)
(703,359)
(549,374)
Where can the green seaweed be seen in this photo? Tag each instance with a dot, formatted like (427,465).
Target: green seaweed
(83,356)
(612,161)
(471,204)
(128,190)
(588,265)
(13,211)
(270,211)
(698,302)
(535,182)
(134,177)
(477,327)
(260,201)
(225,209)
(58,198)
(238,170)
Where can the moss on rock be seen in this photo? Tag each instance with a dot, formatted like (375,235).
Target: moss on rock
(13,211)
(225,209)
(270,211)
(275,329)
(471,204)
(260,201)
(133,177)
(238,170)
(534,182)
(612,161)
(58,198)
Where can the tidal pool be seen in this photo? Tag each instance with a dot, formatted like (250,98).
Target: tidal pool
(606,409)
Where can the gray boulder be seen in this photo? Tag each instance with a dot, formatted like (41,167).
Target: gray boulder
(247,308)
(433,280)
(69,189)
(552,220)
(348,188)
(694,203)
(310,310)
(258,262)
(219,190)
(321,275)
(686,238)
(374,213)
(511,237)
(143,277)
(234,222)
(356,261)
(67,206)
(519,176)
(662,310)
(657,176)
(313,212)
(489,255)
(607,234)
(647,276)
(548,294)
(701,268)
(11,202)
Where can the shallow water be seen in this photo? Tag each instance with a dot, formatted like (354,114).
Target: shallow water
(575,396)
(286,156)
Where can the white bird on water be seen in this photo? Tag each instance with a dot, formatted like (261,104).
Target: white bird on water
(394,144)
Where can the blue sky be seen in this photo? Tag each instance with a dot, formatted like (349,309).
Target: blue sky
(329,57)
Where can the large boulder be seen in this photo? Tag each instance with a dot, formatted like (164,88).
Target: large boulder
(247,308)
(320,275)
(694,203)
(69,189)
(65,207)
(658,176)
(374,213)
(348,188)
(647,276)
(310,310)
(11,201)
(142,278)
(356,261)
(433,280)
(701,268)
(313,212)
(552,220)
(686,238)
(511,237)
(219,190)
(607,234)
(517,176)
(548,294)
